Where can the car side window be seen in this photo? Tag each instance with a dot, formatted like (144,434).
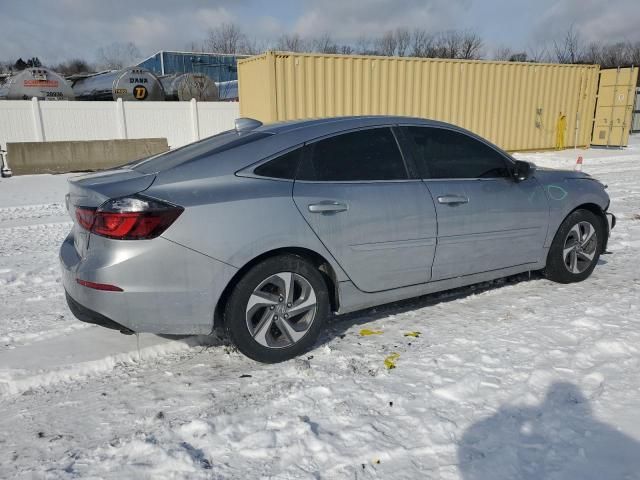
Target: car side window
(362,155)
(284,166)
(443,153)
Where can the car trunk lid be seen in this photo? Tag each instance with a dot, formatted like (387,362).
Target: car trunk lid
(91,191)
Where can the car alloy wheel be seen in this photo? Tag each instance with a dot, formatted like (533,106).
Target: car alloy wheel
(281,310)
(580,247)
(576,247)
(278,308)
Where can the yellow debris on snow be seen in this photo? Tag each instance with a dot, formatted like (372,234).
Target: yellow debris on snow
(412,334)
(390,361)
(365,332)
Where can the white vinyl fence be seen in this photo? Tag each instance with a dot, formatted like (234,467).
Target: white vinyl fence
(179,122)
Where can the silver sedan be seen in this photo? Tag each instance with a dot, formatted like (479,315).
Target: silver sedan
(266,229)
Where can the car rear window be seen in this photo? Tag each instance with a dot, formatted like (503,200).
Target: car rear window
(284,166)
(362,155)
(203,148)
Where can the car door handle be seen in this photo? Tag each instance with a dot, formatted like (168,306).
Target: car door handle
(328,207)
(452,199)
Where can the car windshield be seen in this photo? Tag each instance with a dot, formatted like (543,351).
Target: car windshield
(208,146)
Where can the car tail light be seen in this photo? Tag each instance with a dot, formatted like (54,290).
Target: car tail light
(85,216)
(129,218)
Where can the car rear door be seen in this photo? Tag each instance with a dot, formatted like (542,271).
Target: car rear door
(486,219)
(354,191)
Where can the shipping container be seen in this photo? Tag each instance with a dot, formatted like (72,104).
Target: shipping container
(613,118)
(514,104)
(635,125)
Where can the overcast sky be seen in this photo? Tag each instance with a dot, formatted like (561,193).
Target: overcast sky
(56,30)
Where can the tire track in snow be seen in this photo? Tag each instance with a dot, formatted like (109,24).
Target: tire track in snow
(26,212)
(32,239)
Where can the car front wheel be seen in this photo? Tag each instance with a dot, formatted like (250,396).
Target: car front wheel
(576,247)
(277,310)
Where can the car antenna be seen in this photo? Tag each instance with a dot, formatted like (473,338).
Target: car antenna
(245,124)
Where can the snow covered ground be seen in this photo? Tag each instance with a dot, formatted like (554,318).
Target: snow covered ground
(521,378)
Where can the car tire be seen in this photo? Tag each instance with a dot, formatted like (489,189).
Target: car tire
(277,309)
(576,247)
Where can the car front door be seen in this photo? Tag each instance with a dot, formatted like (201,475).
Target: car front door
(486,219)
(354,191)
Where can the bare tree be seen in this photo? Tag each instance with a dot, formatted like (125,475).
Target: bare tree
(422,43)
(519,57)
(448,44)
(614,55)
(393,43)
(538,53)
(592,53)
(117,55)
(226,38)
(621,54)
(387,44)
(255,46)
(345,49)
(569,49)
(6,67)
(325,44)
(633,54)
(194,46)
(502,53)
(470,46)
(291,42)
(74,66)
(403,40)
(364,46)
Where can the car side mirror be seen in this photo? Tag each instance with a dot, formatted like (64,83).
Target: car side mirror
(523,170)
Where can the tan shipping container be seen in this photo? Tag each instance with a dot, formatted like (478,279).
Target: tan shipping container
(515,105)
(614,107)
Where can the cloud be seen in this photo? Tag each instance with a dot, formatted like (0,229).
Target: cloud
(64,29)
(77,28)
(594,20)
(350,19)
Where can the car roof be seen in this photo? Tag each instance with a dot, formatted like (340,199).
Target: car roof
(273,139)
(345,123)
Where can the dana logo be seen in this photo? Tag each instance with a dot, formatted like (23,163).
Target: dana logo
(138,80)
(140,92)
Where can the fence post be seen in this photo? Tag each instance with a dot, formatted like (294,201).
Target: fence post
(121,120)
(195,120)
(38,127)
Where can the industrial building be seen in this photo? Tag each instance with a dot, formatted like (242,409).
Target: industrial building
(218,67)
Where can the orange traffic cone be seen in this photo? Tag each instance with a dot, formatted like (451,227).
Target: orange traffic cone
(578,167)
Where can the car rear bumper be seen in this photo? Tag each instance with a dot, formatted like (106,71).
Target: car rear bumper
(166,288)
(87,315)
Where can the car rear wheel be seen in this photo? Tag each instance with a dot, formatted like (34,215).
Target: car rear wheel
(277,310)
(576,248)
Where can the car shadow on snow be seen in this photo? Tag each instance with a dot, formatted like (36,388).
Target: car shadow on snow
(339,324)
(559,438)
